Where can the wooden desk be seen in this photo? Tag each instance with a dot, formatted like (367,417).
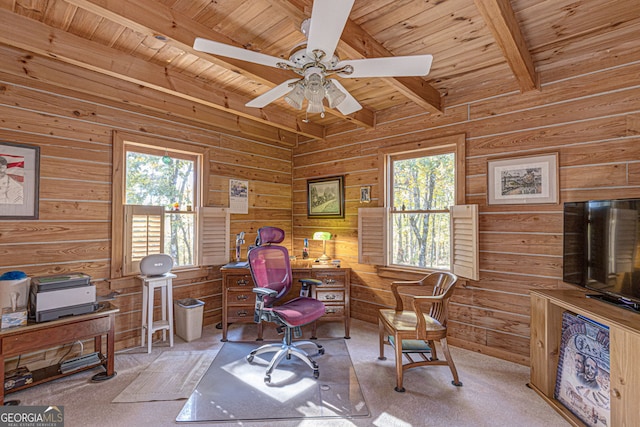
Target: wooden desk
(238,300)
(41,336)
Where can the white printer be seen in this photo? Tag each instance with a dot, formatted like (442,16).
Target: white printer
(52,297)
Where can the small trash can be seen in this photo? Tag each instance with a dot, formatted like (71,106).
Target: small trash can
(188,313)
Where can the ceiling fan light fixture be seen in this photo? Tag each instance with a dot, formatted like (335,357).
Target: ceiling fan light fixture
(296,96)
(334,95)
(315,107)
(314,88)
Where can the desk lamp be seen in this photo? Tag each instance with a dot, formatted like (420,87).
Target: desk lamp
(324,236)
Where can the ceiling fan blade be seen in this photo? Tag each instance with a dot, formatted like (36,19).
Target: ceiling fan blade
(216,48)
(328,18)
(271,95)
(349,105)
(393,66)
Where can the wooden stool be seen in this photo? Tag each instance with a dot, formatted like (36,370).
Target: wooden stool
(149,285)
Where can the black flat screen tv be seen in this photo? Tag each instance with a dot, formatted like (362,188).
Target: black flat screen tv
(601,249)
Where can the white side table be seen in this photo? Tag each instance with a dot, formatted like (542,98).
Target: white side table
(149,285)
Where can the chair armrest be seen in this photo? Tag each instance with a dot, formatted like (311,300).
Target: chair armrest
(313,282)
(307,284)
(264,292)
(396,294)
(261,293)
(435,302)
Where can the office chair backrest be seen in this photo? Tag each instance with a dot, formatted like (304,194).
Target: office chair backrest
(269,263)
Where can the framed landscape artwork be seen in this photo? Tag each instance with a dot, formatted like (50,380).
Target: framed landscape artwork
(523,180)
(325,197)
(19,181)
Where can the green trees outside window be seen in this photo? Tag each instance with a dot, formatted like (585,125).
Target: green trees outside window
(167,181)
(423,189)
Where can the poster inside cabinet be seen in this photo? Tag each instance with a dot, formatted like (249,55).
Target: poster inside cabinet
(582,383)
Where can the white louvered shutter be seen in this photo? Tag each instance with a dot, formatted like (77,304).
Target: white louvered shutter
(464,247)
(372,236)
(213,232)
(143,234)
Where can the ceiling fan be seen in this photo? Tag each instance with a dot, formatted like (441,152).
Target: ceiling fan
(316,60)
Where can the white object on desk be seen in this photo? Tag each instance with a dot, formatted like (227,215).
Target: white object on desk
(149,285)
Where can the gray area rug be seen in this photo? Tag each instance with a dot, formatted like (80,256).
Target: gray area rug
(173,375)
(233,389)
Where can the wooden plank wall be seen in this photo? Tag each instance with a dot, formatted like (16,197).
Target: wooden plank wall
(591,120)
(74,131)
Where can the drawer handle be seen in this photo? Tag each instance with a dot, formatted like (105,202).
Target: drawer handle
(242,313)
(331,297)
(329,281)
(242,282)
(331,311)
(242,297)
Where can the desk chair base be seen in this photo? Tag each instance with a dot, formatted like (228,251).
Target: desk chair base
(287,349)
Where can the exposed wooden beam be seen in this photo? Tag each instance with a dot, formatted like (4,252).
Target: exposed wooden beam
(154,19)
(357,43)
(151,18)
(501,20)
(41,39)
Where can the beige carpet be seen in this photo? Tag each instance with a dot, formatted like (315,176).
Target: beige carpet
(173,375)
(494,392)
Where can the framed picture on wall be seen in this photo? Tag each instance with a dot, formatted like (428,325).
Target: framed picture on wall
(523,180)
(325,197)
(19,181)
(365,194)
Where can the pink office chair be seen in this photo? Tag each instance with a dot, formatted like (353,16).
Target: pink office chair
(271,273)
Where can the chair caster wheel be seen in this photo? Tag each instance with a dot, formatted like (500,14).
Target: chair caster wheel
(321,350)
(267,379)
(316,374)
(250,358)
(399,390)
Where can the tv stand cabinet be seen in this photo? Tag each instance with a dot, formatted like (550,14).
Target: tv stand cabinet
(547,307)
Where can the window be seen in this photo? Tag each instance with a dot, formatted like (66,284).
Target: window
(422,188)
(424,223)
(163,179)
(157,205)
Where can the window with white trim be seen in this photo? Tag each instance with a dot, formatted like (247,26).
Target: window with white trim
(166,180)
(157,205)
(424,223)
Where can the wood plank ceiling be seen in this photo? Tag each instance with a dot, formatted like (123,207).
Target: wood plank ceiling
(481,48)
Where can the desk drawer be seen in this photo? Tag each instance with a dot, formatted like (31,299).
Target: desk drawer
(241,297)
(331,278)
(330,295)
(333,311)
(240,314)
(238,280)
